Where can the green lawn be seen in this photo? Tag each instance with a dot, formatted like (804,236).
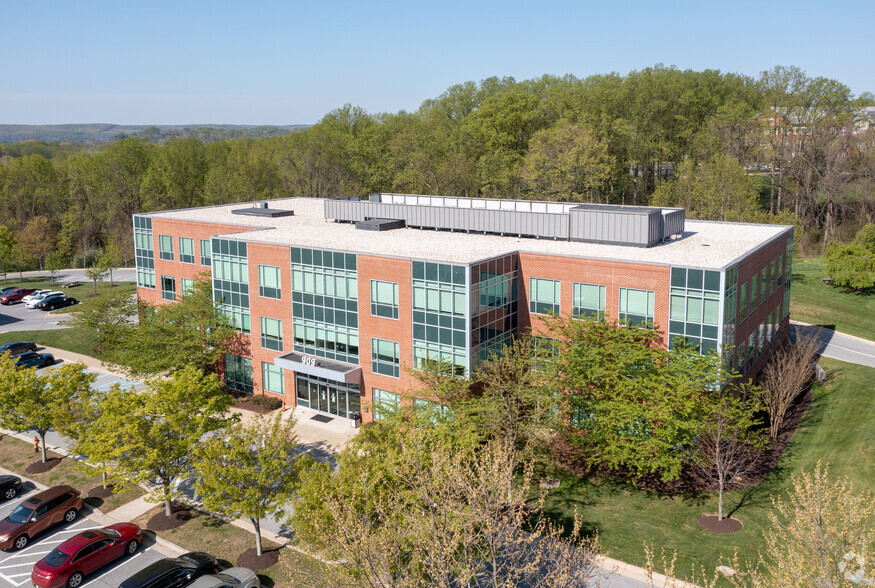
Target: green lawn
(837,429)
(16,455)
(226,542)
(814,302)
(77,340)
(80,292)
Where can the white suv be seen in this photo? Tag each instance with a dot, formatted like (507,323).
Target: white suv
(34,294)
(37,299)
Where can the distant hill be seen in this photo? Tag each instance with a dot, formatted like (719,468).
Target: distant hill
(104,133)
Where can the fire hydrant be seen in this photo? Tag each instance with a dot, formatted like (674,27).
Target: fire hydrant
(35,444)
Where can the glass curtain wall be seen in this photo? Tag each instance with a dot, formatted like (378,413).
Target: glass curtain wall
(144,252)
(439,311)
(695,308)
(495,306)
(231,281)
(325,304)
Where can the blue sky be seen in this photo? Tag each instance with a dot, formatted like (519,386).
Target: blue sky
(274,62)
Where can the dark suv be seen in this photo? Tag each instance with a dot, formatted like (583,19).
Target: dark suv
(174,572)
(60,504)
(17,347)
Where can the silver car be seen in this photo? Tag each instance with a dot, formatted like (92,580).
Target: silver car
(230,578)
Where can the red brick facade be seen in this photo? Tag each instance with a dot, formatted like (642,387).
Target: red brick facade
(567,270)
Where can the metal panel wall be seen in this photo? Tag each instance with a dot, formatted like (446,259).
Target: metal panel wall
(642,227)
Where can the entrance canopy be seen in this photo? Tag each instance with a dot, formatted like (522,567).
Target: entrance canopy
(320,367)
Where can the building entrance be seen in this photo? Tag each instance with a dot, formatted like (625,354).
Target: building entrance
(337,398)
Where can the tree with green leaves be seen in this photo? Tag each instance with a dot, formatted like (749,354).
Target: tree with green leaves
(853,266)
(111,258)
(7,248)
(154,435)
(97,273)
(38,237)
(567,162)
(111,314)
(30,401)
(628,402)
(55,262)
(251,470)
(169,337)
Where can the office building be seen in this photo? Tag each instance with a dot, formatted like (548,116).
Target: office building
(336,300)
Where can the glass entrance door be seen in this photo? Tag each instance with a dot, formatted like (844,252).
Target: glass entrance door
(335,398)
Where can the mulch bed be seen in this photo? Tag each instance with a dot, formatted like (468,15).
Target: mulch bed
(161,522)
(101,492)
(727,525)
(38,467)
(248,559)
(251,407)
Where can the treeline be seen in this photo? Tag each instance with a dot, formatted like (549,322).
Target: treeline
(105,133)
(784,147)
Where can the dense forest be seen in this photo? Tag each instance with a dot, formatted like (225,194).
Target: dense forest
(783,147)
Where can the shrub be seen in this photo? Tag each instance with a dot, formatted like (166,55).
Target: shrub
(268,402)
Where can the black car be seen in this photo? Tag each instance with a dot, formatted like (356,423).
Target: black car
(173,572)
(6,289)
(53,302)
(10,487)
(29,360)
(17,347)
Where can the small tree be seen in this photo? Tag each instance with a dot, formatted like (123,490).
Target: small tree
(111,314)
(785,378)
(76,418)
(430,511)
(252,471)
(55,262)
(171,336)
(153,435)
(729,443)
(822,534)
(31,402)
(111,259)
(96,273)
(7,248)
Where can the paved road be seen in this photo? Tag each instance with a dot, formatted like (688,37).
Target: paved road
(837,345)
(15,566)
(127,274)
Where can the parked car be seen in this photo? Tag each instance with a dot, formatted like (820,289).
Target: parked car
(37,299)
(87,552)
(230,578)
(17,347)
(14,296)
(173,572)
(6,289)
(34,294)
(40,512)
(10,486)
(30,360)
(53,302)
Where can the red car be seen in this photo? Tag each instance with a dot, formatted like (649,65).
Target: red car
(75,558)
(14,295)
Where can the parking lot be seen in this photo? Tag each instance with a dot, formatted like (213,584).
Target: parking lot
(17,317)
(15,566)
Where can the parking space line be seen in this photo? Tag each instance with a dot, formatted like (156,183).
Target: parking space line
(15,565)
(27,554)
